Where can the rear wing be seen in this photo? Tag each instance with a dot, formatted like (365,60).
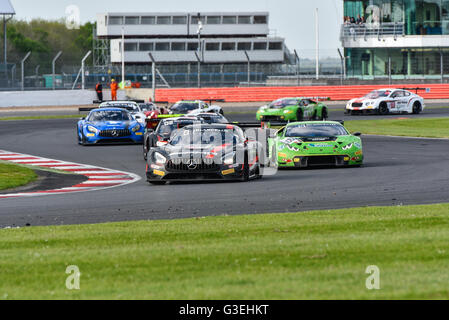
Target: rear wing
(317,98)
(161,117)
(86,109)
(100,102)
(213,100)
(261,125)
(417,89)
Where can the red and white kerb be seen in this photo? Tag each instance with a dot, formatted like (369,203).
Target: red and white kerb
(98,178)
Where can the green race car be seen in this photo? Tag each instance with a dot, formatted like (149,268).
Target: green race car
(318,143)
(293,109)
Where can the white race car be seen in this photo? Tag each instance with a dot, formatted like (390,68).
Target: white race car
(385,101)
(194,107)
(133,107)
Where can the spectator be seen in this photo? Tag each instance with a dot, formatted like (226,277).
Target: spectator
(359,19)
(99,90)
(114,88)
(352,21)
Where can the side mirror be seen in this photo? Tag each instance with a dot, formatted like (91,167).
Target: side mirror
(357,134)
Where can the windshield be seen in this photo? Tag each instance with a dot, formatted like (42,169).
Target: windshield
(148,107)
(167,127)
(116,115)
(184,107)
(281,103)
(213,118)
(377,94)
(209,136)
(315,130)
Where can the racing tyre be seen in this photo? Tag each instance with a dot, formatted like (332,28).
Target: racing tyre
(416,108)
(383,109)
(145,153)
(299,115)
(83,140)
(245,175)
(324,114)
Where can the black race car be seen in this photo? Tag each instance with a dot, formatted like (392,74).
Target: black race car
(205,152)
(163,131)
(165,126)
(210,117)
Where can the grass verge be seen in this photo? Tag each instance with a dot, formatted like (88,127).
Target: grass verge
(309,255)
(429,127)
(12,176)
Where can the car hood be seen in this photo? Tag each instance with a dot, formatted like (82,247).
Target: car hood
(323,145)
(111,124)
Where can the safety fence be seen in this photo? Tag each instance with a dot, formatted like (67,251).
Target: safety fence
(254,94)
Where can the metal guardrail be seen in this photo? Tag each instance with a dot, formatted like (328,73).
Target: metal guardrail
(355,31)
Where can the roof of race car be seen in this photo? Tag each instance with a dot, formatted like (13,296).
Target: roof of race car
(109,109)
(218,126)
(115,103)
(180,118)
(190,101)
(312,122)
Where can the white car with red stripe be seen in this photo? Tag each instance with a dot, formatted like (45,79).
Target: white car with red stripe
(385,101)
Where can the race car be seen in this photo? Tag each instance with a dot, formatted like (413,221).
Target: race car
(293,109)
(317,143)
(132,106)
(160,128)
(109,125)
(385,101)
(163,131)
(194,107)
(205,152)
(210,117)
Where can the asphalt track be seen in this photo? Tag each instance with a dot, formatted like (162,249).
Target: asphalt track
(397,171)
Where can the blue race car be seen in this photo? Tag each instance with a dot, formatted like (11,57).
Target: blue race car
(109,125)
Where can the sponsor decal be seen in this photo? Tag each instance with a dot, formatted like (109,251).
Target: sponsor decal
(320,145)
(226,172)
(159,173)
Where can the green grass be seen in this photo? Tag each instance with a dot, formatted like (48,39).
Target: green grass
(309,255)
(44,117)
(12,176)
(429,127)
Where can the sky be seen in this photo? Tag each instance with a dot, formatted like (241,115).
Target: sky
(293,20)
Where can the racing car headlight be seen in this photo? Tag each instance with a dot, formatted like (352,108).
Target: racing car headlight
(288,111)
(92,129)
(347,147)
(229,159)
(136,128)
(159,158)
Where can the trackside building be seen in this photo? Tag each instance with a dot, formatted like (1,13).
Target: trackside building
(401,39)
(173,39)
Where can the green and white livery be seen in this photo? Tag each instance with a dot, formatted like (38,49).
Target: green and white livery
(293,109)
(317,143)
